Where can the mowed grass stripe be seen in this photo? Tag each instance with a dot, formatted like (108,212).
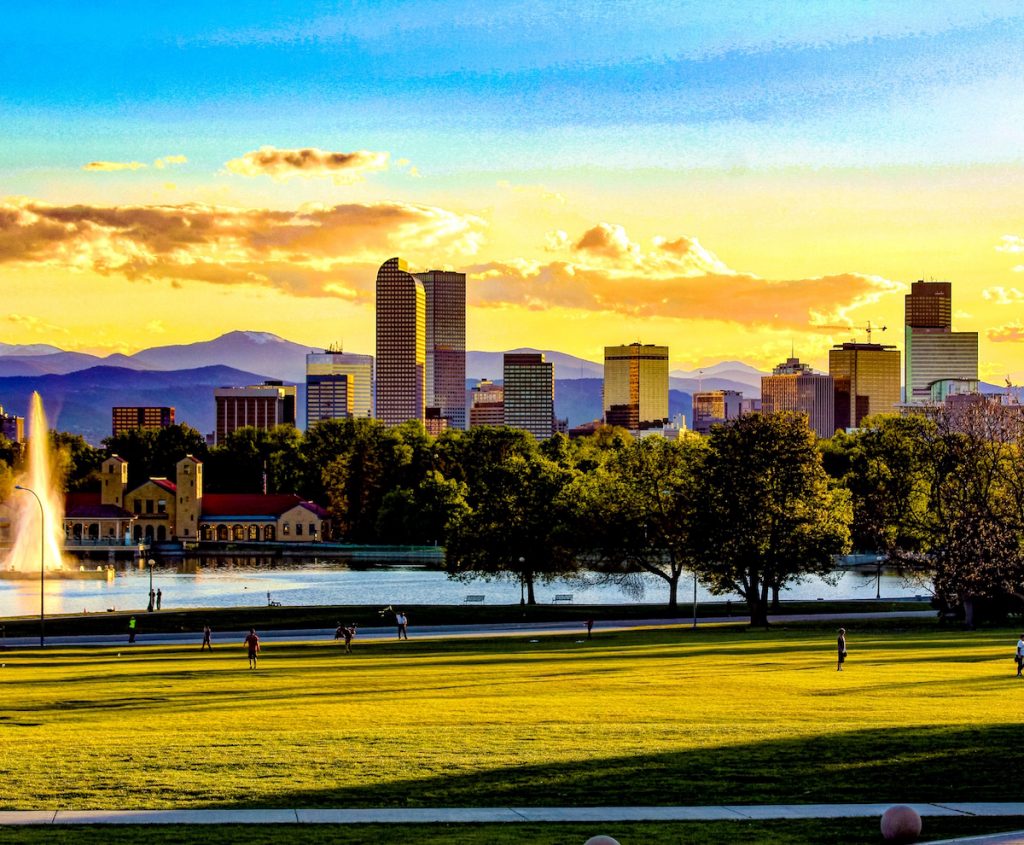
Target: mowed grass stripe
(652,717)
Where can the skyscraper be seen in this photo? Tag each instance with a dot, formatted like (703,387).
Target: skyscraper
(446,344)
(488,404)
(338,385)
(144,418)
(794,386)
(711,407)
(635,385)
(401,344)
(866,377)
(263,406)
(933,351)
(529,387)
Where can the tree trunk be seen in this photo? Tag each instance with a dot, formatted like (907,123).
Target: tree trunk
(530,597)
(776,607)
(758,607)
(969,613)
(673,593)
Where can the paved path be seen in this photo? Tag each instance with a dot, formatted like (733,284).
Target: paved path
(501,815)
(509,629)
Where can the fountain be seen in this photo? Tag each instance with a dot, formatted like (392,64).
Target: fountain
(42,477)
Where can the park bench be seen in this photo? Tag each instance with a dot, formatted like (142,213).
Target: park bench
(562,598)
(473,599)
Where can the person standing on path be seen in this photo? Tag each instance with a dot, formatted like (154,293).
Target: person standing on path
(590,627)
(402,621)
(253,642)
(159,598)
(841,642)
(1020,655)
(131,630)
(206,638)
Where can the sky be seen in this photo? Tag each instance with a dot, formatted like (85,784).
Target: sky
(735,180)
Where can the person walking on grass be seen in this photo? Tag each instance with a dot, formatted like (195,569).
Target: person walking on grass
(131,630)
(206,638)
(253,642)
(1020,655)
(841,642)
(348,633)
(402,621)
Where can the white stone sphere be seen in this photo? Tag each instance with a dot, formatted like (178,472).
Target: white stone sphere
(901,824)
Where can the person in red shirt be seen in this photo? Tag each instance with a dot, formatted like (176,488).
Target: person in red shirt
(253,642)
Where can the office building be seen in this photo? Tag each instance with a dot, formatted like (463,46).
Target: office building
(933,351)
(445,344)
(339,385)
(866,377)
(401,344)
(12,427)
(529,388)
(129,418)
(487,404)
(265,406)
(635,385)
(794,386)
(711,407)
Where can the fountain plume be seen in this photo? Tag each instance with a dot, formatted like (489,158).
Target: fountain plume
(42,476)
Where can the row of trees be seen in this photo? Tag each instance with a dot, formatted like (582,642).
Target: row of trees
(753,507)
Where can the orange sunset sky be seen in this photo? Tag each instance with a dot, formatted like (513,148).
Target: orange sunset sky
(728,179)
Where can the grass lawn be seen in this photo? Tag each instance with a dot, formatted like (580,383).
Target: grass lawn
(657,717)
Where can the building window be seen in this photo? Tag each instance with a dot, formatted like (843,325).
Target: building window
(298,529)
(286,529)
(312,529)
(149,506)
(161,506)
(138,506)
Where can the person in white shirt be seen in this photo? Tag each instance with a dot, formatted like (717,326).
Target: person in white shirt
(403,625)
(1020,655)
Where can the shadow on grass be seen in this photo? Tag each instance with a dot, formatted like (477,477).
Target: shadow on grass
(927,764)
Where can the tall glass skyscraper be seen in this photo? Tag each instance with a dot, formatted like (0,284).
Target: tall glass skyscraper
(529,386)
(933,351)
(635,384)
(401,344)
(446,344)
(867,381)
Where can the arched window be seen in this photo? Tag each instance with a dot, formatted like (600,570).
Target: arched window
(94,531)
(137,533)
(238,532)
(269,533)
(222,533)
(161,533)
(149,532)
(254,532)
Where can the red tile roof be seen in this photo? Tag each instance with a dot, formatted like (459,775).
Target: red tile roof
(87,506)
(169,486)
(255,504)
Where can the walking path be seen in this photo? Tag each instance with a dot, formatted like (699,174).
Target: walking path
(510,629)
(500,815)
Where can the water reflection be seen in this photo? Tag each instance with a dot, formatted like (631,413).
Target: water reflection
(224,581)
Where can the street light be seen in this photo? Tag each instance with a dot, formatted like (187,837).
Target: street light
(522,597)
(151,563)
(695,598)
(42,564)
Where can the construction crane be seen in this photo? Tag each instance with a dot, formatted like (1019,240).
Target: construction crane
(867,329)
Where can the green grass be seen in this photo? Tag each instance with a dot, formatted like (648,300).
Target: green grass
(656,718)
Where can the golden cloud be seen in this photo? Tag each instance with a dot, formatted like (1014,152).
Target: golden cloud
(1003,296)
(167,161)
(314,250)
(280,164)
(679,279)
(110,166)
(1010,333)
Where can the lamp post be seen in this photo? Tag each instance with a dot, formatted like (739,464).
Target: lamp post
(695,598)
(42,564)
(151,563)
(522,597)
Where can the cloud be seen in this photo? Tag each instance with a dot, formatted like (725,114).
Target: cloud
(110,166)
(34,324)
(1003,296)
(1011,243)
(1010,333)
(308,251)
(280,164)
(167,161)
(677,279)
(156,327)
(556,241)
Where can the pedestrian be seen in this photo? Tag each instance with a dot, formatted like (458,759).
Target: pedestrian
(402,621)
(206,638)
(131,630)
(253,642)
(590,627)
(841,642)
(159,598)
(348,633)
(1020,654)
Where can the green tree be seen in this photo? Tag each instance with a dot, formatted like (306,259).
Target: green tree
(77,463)
(773,516)
(513,526)
(642,511)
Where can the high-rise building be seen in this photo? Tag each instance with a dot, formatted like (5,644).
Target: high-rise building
(338,385)
(933,351)
(794,386)
(401,344)
(445,341)
(635,385)
(125,418)
(711,407)
(487,404)
(529,387)
(12,427)
(866,377)
(265,406)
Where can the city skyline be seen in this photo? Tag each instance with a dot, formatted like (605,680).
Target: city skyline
(717,180)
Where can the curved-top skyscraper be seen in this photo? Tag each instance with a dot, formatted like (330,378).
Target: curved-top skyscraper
(401,344)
